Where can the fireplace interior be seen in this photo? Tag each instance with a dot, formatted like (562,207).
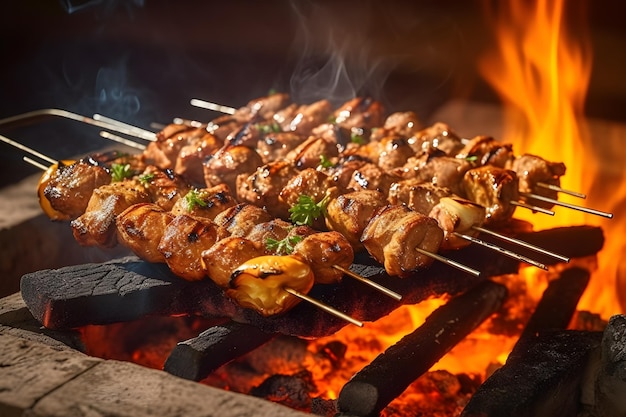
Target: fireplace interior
(97,332)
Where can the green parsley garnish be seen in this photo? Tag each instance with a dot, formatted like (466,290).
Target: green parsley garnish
(332,119)
(472,158)
(146,179)
(357,138)
(120,171)
(325,162)
(282,247)
(307,210)
(268,128)
(193,199)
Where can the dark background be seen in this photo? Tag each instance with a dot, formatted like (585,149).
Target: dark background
(142,61)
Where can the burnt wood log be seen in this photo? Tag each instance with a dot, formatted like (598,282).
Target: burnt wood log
(610,383)
(541,377)
(558,302)
(196,358)
(128,288)
(514,390)
(376,385)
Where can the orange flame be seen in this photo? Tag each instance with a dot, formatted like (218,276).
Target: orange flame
(542,73)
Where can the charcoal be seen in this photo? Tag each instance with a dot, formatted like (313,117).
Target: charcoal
(376,385)
(610,384)
(541,377)
(196,358)
(290,390)
(128,288)
(558,302)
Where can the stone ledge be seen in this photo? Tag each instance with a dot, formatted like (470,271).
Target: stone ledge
(42,377)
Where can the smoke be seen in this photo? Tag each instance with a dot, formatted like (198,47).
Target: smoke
(106,7)
(335,59)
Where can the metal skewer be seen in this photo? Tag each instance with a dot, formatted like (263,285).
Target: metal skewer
(561,190)
(122,140)
(369,282)
(140,133)
(35,163)
(27,149)
(503,251)
(532,208)
(521,243)
(324,307)
(20,118)
(571,206)
(212,106)
(450,262)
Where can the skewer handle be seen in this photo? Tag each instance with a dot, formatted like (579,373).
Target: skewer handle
(533,208)
(521,243)
(324,307)
(503,251)
(212,106)
(369,282)
(561,190)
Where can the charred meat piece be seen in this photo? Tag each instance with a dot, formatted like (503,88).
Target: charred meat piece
(190,160)
(229,162)
(531,169)
(69,187)
(393,235)
(184,239)
(493,188)
(220,260)
(371,177)
(350,213)
(360,112)
(438,136)
(309,153)
(393,152)
(403,124)
(205,202)
(224,125)
(321,251)
(140,228)
(417,195)
(262,188)
(164,151)
(442,171)
(163,186)
(263,108)
(239,220)
(303,119)
(96,227)
(274,146)
(485,150)
(273,230)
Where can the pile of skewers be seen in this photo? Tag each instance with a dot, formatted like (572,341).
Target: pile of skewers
(275,197)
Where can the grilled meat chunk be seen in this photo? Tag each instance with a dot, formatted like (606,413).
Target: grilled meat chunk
(403,124)
(220,260)
(308,153)
(360,112)
(304,118)
(485,150)
(439,136)
(393,152)
(190,160)
(263,187)
(322,252)
(493,188)
(532,169)
(239,220)
(417,195)
(350,213)
(457,215)
(184,239)
(229,162)
(371,177)
(164,151)
(274,146)
(273,230)
(96,227)
(140,228)
(442,171)
(393,235)
(205,202)
(69,187)
(163,186)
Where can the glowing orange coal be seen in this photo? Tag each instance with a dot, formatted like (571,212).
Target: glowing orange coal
(541,67)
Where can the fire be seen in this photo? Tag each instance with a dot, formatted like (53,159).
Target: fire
(541,71)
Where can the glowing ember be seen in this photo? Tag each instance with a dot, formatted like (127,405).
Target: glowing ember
(541,71)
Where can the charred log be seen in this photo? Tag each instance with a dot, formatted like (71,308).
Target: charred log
(127,289)
(542,377)
(376,385)
(196,358)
